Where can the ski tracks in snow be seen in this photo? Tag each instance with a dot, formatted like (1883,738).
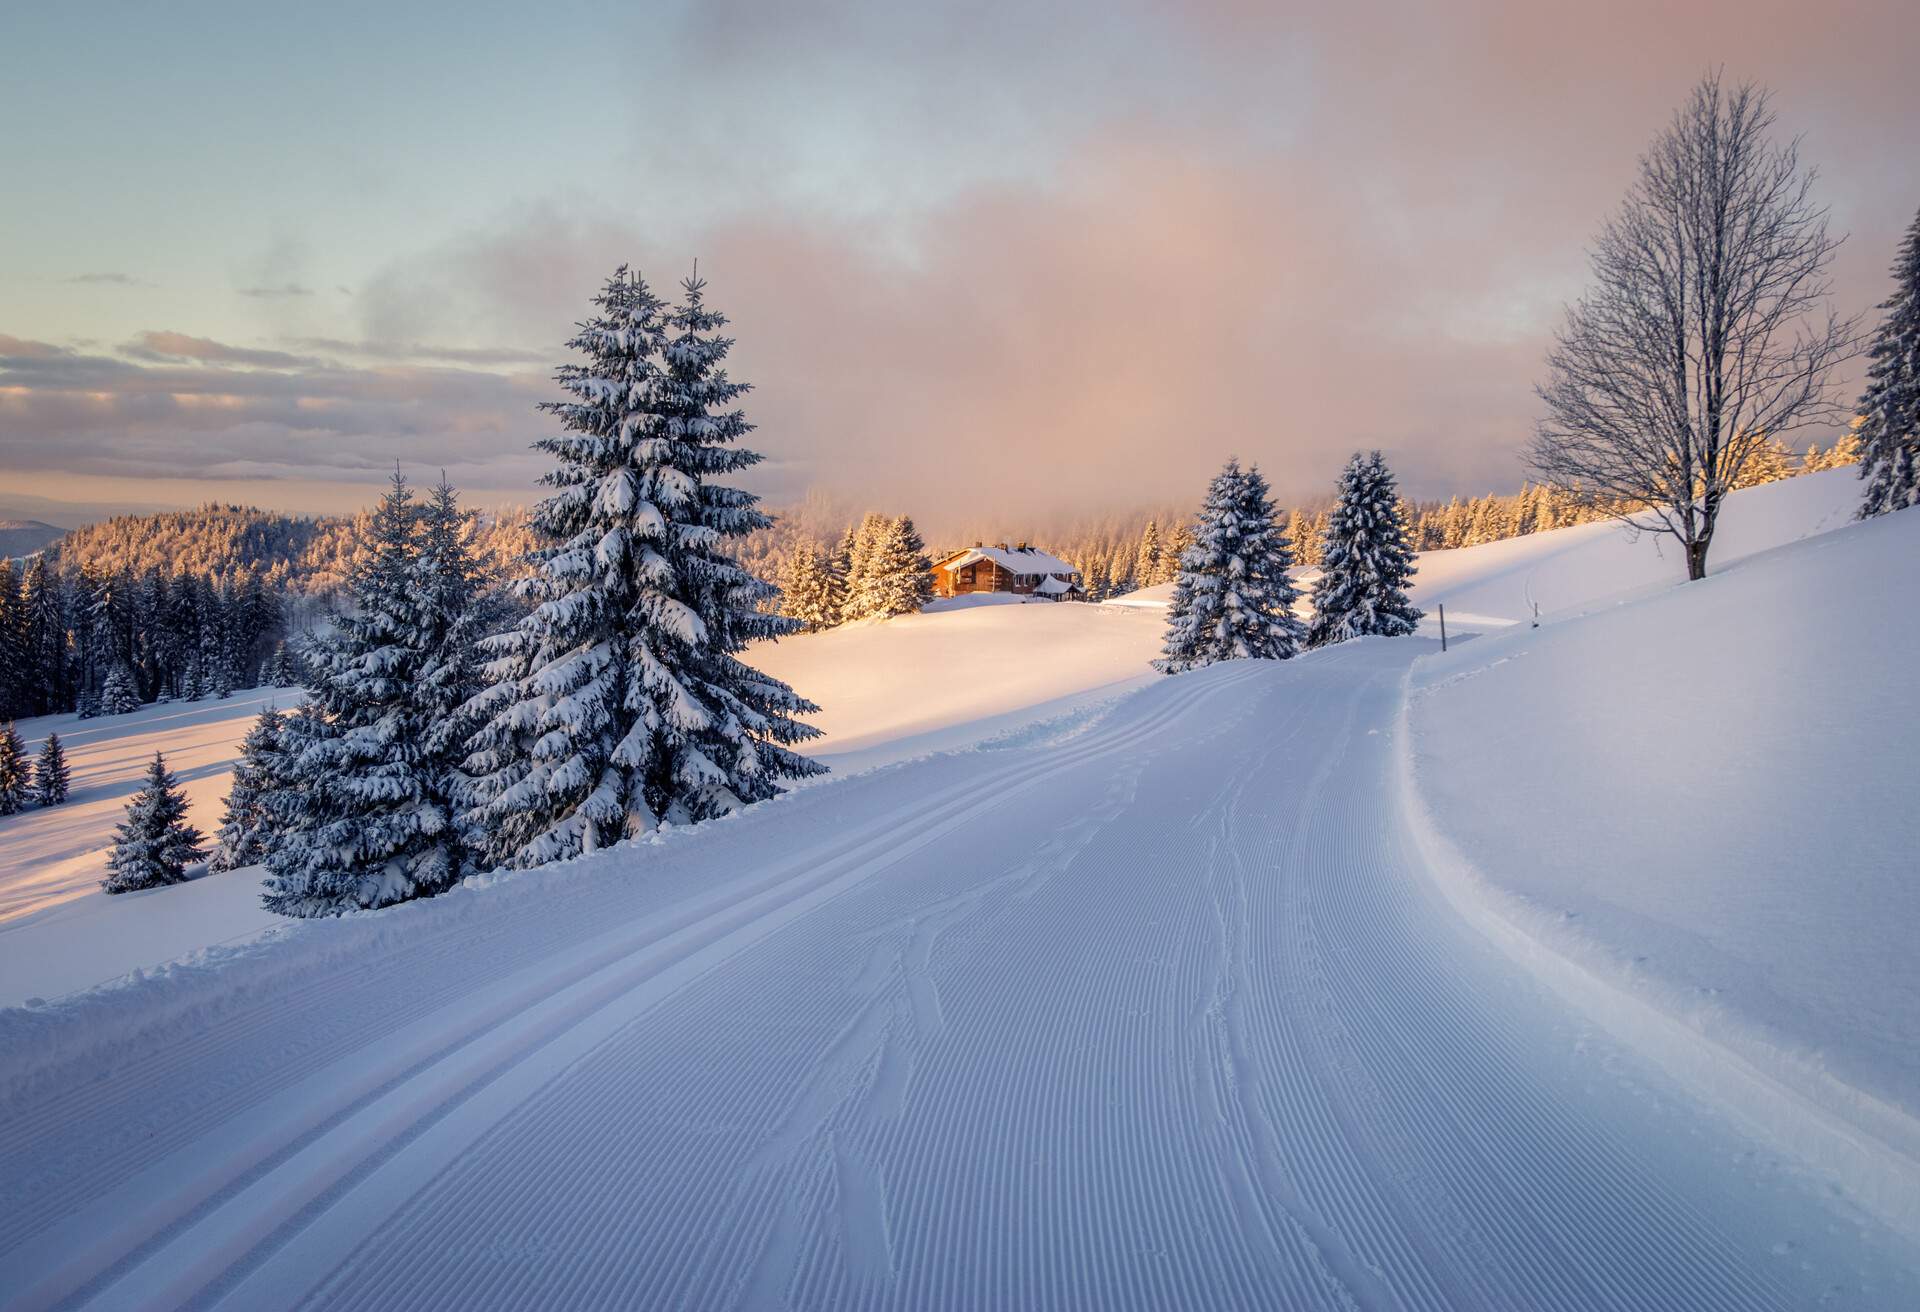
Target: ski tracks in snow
(1161,1014)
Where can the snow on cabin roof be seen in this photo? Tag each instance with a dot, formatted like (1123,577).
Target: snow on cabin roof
(1014,561)
(1053,587)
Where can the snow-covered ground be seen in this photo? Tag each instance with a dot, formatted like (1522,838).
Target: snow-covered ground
(1159,1012)
(965,670)
(58,932)
(1564,969)
(1706,799)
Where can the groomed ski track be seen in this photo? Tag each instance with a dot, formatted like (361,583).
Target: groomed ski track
(1158,1011)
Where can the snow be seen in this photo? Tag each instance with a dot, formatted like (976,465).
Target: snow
(1704,799)
(957,674)
(58,931)
(1495,584)
(1563,969)
(987,1029)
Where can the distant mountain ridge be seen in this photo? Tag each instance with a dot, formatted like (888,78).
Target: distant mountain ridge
(23,537)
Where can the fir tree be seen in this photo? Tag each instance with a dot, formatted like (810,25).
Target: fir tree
(13,771)
(118,697)
(1889,431)
(281,672)
(50,776)
(364,828)
(154,844)
(620,702)
(1365,561)
(1233,598)
(807,591)
(900,573)
(1148,562)
(247,822)
(14,690)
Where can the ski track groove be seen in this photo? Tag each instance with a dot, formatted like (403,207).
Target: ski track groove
(963,1053)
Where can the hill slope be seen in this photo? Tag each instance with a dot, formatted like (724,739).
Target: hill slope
(1705,799)
(22,537)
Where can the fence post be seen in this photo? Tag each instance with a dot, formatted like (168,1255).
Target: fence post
(1443,626)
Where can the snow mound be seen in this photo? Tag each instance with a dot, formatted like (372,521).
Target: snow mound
(1701,804)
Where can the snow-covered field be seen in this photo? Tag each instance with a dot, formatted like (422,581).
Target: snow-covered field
(58,932)
(1706,799)
(1562,970)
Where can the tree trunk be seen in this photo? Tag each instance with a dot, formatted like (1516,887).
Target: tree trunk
(1696,560)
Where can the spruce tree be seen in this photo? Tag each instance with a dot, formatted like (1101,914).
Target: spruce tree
(620,703)
(51,780)
(1365,561)
(14,789)
(1149,560)
(902,576)
(154,844)
(1233,598)
(248,821)
(281,672)
(1889,430)
(118,697)
(15,692)
(807,591)
(365,828)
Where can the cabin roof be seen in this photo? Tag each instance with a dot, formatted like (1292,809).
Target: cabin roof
(1012,560)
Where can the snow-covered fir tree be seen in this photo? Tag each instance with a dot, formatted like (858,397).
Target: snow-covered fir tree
(808,591)
(1365,560)
(1232,598)
(118,696)
(902,576)
(154,844)
(1889,431)
(51,778)
(281,671)
(246,826)
(14,783)
(457,611)
(620,702)
(363,826)
(1150,560)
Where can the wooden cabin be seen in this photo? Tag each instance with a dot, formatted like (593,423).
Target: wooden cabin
(1020,569)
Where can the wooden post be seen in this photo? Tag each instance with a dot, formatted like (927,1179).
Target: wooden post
(1443,626)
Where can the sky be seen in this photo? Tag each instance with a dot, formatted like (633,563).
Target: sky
(996,260)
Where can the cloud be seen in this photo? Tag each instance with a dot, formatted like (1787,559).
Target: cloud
(118,279)
(163,347)
(168,416)
(388,350)
(284,289)
(21,348)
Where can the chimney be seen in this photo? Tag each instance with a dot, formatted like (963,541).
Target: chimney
(1001,545)
(1021,547)
(978,544)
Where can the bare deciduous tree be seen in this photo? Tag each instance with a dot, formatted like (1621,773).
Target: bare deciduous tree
(1706,332)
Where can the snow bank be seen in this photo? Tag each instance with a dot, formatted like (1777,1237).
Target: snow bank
(1694,815)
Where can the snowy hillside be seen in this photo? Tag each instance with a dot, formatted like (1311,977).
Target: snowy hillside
(968,668)
(1706,800)
(1495,584)
(58,932)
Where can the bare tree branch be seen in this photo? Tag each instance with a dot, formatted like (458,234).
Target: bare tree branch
(1705,334)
